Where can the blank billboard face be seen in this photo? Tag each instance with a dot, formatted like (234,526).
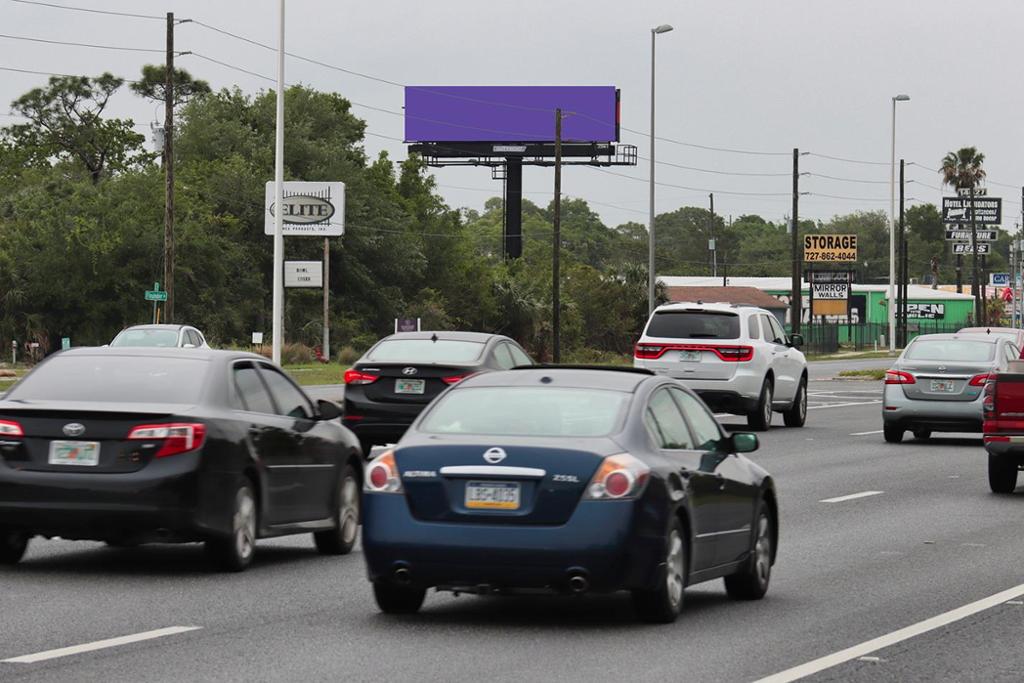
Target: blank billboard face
(510,113)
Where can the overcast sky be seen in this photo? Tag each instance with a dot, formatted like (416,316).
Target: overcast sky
(755,75)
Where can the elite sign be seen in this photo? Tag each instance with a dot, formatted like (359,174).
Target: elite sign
(311,209)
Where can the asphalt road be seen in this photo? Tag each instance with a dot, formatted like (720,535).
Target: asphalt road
(926,538)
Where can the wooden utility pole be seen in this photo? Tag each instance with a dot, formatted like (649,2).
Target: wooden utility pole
(556,246)
(327,281)
(794,303)
(978,303)
(711,234)
(901,268)
(169,173)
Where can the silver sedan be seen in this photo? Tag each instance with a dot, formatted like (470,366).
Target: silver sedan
(937,382)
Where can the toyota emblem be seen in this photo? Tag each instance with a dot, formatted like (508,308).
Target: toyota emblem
(409,371)
(495,455)
(73,429)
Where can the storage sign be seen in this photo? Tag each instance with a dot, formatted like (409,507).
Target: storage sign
(825,248)
(823,276)
(987,210)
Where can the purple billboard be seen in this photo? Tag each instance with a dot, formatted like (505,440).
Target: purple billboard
(526,113)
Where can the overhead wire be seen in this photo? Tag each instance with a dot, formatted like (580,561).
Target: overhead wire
(89,45)
(87,9)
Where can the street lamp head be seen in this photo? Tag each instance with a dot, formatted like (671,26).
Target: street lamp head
(901,98)
(664,28)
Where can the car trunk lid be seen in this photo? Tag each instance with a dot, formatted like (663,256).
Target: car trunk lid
(410,383)
(693,343)
(944,381)
(497,482)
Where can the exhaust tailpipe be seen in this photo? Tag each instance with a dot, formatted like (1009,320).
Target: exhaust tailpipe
(578,583)
(403,576)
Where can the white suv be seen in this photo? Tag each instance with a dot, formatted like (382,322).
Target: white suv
(737,358)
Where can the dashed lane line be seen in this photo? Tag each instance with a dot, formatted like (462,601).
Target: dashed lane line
(877,431)
(852,496)
(99,645)
(898,636)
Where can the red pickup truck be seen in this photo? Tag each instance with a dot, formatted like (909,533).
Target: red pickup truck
(1004,427)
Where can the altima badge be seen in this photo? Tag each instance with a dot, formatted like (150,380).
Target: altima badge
(73,429)
(494,455)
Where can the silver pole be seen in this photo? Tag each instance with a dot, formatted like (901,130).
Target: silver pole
(650,217)
(278,294)
(892,235)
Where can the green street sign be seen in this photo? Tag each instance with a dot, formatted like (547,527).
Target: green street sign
(156,295)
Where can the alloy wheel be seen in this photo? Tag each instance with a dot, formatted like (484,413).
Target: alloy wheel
(768,405)
(348,515)
(763,550)
(674,569)
(245,524)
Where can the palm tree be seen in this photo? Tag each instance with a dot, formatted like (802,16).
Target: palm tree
(962,170)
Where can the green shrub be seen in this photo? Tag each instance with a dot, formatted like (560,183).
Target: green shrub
(348,355)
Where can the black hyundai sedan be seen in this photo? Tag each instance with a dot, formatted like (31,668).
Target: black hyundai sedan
(569,480)
(388,387)
(138,445)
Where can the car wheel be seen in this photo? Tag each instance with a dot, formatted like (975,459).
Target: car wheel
(1002,473)
(12,546)
(663,604)
(234,553)
(342,538)
(760,419)
(922,434)
(751,582)
(892,433)
(796,416)
(393,598)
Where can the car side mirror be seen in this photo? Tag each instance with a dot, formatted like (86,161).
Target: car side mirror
(796,340)
(327,410)
(744,442)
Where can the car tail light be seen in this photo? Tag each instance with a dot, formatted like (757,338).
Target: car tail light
(11,428)
(455,379)
(979,380)
(382,475)
(988,403)
(737,354)
(899,377)
(177,437)
(648,351)
(357,377)
(619,476)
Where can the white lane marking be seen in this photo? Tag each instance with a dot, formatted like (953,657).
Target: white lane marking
(877,431)
(906,633)
(843,405)
(852,496)
(99,645)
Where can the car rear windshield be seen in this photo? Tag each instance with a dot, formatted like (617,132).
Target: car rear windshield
(113,378)
(694,325)
(426,351)
(527,411)
(953,350)
(147,337)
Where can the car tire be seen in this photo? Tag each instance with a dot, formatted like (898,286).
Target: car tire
(233,553)
(892,433)
(342,538)
(760,419)
(13,545)
(1002,473)
(662,604)
(751,582)
(796,416)
(922,434)
(393,598)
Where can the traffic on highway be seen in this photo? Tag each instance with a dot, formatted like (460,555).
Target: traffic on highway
(464,341)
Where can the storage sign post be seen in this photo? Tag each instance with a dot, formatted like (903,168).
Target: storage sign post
(826,248)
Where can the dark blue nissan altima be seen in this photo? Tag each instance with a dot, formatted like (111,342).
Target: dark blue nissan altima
(569,480)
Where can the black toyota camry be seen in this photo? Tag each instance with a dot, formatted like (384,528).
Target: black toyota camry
(388,387)
(139,445)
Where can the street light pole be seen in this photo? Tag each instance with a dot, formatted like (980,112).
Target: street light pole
(664,28)
(892,228)
(278,284)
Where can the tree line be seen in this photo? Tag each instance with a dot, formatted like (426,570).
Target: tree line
(81,232)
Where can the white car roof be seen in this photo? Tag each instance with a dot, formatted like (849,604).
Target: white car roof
(709,306)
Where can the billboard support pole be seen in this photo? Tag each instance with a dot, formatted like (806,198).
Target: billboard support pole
(795,312)
(513,207)
(327,293)
(901,269)
(556,246)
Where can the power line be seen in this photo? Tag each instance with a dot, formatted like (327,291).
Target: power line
(694,189)
(848,161)
(846,180)
(717,172)
(90,45)
(85,9)
(51,73)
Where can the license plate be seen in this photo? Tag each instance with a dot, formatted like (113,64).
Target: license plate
(410,386)
(689,356)
(942,386)
(81,453)
(492,495)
